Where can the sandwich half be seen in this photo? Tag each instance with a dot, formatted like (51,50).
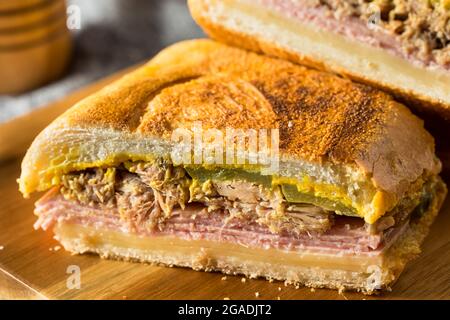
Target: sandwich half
(401,46)
(353,195)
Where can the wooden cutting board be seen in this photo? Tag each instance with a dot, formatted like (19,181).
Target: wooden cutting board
(32,265)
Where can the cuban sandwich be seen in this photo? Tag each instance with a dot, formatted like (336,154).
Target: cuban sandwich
(355,192)
(400,46)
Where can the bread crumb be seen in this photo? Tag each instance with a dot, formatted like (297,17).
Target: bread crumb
(2,247)
(243,280)
(56,248)
(124,297)
(297,287)
(313,290)
(278,298)
(257,294)
(226,298)
(279,288)
(224,278)
(341,292)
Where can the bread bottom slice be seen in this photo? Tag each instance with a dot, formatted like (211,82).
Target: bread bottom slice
(367,273)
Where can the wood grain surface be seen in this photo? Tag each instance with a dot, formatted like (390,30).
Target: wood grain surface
(33,266)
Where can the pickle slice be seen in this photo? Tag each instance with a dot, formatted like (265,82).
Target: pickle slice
(224,174)
(291,194)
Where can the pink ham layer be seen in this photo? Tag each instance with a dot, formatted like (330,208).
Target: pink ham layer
(347,236)
(350,27)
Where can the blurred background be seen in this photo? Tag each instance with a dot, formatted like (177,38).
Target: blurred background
(105,36)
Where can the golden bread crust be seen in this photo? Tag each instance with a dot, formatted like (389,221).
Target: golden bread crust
(321,117)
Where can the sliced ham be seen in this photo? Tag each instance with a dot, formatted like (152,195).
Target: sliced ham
(347,236)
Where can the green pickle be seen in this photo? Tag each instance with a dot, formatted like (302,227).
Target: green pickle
(291,194)
(424,205)
(289,191)
(223,174)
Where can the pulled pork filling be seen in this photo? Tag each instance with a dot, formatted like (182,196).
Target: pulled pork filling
(151,196)
(421,28)
(148,193)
